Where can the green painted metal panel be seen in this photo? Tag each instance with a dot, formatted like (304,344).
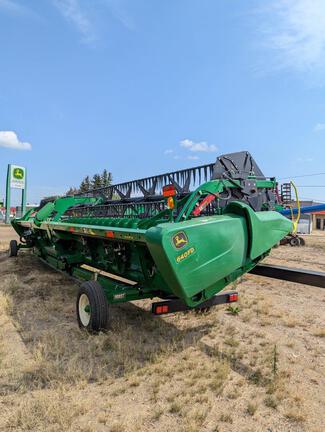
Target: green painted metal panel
(265,228)
(215,247)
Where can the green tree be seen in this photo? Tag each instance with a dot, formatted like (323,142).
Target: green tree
(82,187)
(85,185)
(96,181)
(72,191)
(106,178)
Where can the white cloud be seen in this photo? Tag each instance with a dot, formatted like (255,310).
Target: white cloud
(73,13)
(201,146)
(169,151)
(192,157)
(295,31)
(319,127)
(9,139)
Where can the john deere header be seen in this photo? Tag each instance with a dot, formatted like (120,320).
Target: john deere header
(184,234)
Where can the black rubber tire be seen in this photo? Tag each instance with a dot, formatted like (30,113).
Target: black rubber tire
(302,241)
(13,248)
(99,308)
(294,241)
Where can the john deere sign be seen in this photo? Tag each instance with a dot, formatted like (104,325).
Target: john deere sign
(17,178)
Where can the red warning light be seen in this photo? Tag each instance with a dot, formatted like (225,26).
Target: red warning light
(109,234)
(169,190)
(233,297)
(161,309)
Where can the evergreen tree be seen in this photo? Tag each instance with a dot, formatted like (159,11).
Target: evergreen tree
(82,187)
(106,178)
(72,191)
(87,183)
(96,181)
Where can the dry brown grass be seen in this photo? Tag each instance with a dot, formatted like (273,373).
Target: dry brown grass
(6,304)
(295,414)
(290,322)
(271,401)
(184,372)
(319,332)
(251,408)
(32,412)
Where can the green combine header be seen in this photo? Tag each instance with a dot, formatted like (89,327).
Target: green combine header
(181,236)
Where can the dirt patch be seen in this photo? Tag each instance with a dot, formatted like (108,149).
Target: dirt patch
(261,369)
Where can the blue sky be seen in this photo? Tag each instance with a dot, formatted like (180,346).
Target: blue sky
(141,87)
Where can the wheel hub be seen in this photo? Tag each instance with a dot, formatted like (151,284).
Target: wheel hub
(84,310)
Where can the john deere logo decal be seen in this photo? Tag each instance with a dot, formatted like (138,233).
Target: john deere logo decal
(18,173)
(180,240)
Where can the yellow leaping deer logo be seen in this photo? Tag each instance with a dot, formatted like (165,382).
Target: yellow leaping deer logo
(180,240)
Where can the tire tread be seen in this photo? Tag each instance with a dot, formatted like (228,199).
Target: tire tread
(13,248)
(98,304)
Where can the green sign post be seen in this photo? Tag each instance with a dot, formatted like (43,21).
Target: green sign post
(16,179)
